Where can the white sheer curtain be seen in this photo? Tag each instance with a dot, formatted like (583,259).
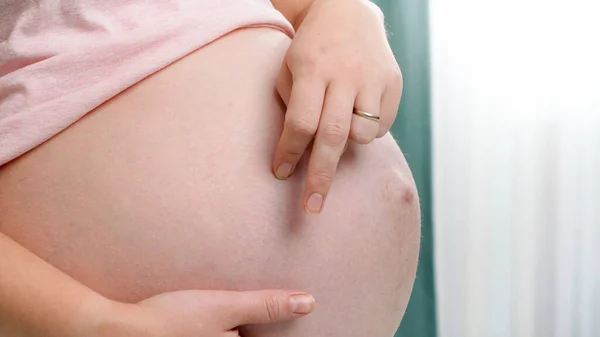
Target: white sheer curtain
(516,114)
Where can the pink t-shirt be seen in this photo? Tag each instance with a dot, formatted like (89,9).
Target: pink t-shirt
(61,59)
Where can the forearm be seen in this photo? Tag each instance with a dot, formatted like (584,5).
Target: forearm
(295,10)
(37,299)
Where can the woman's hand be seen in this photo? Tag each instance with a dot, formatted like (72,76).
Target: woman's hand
(339,60)
(202,313)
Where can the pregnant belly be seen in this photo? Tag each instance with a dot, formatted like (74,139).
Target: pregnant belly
(168,187)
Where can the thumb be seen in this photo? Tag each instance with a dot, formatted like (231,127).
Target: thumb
(266,306)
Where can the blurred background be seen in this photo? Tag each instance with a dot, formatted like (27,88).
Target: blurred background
(500,122)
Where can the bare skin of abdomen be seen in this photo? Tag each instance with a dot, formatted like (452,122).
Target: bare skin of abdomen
(168,187)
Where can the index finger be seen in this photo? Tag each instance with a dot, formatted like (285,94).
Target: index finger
(301,122)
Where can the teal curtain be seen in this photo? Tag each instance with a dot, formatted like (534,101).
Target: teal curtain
(407,23)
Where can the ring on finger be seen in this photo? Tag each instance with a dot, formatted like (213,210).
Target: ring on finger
(366,115)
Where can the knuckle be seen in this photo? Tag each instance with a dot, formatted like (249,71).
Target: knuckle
(287,152)
(350,64)
(361,137)
(334,134)
(306,61)
(272,308)
(310,63)
(290,154)
(320,179)
(302,126)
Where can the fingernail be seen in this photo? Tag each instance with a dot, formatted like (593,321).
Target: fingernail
(314,203)
(283,171)
(302,304)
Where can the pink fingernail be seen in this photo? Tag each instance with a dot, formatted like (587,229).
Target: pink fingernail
(314,204)
(302,304)
(283,171)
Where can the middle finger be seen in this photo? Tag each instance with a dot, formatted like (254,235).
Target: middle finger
(330,140)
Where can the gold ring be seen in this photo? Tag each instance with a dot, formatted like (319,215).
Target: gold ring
(366,115)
